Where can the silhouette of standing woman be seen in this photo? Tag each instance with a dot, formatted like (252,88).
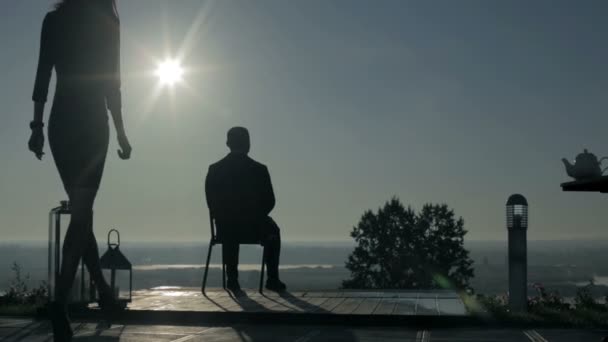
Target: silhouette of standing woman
(81,40)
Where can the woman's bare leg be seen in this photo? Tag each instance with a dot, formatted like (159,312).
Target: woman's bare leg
(77,238)
(91,260)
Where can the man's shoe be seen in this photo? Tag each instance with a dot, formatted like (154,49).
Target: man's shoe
(233,285)
(275,285)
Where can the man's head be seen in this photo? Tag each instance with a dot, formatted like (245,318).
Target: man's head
(238,140)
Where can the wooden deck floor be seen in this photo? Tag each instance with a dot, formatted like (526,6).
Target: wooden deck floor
(400,303)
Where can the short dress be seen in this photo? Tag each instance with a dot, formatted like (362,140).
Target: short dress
(82,44)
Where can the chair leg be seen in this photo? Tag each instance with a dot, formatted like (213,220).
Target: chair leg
(263,268)
(206,268)
(223,270)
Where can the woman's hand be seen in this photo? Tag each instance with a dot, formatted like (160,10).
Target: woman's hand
(125,148)
(36,142)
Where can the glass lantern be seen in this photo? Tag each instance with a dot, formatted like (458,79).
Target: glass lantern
(120,271)
(82,292)
(517,212)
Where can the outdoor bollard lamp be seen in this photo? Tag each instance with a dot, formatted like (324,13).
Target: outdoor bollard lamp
(114,261)
(517,226)
(83,292)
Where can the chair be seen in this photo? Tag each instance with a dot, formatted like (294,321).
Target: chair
(216,241)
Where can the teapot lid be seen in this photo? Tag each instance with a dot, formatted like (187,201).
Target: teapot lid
(586,156)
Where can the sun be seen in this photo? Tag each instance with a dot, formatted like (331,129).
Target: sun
(169,72)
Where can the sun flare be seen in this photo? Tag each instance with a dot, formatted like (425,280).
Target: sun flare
(169,72)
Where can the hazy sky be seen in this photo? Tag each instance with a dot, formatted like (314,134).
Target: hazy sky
(348,103)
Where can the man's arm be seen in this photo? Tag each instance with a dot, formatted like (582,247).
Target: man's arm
(268,200)
(211,191)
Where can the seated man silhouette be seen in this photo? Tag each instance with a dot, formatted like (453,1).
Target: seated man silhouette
(240,197)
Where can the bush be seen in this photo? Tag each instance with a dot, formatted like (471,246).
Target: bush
(546,300)
(546,307)
(494,304)
(19,293)
(584,299)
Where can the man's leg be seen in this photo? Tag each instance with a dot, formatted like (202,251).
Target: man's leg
(272,249)
(230,254)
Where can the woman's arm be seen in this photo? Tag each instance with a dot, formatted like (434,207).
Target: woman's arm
(45,69)
(113,91)
(41,87)
(36,142)
(114,94)
(38,111)
(118,122)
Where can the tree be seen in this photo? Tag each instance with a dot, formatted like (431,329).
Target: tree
(398,248)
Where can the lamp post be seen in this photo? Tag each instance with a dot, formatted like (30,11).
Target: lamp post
(517,226)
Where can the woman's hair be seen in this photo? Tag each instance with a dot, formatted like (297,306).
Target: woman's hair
(109,5)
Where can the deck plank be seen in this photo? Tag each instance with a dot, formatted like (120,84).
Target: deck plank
(282,305)
(329,305)
(348,306)
(385,307)
(249,304)
(368,306)
(405,306)
(427,306)
(449,306)
(304,304)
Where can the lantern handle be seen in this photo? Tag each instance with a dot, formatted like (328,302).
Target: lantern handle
(117,244)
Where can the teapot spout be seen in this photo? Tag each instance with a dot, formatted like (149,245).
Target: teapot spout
(569,167)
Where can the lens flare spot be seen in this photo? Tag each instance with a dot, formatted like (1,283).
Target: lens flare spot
(170,72)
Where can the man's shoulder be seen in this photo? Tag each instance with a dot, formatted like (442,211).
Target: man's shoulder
(220,162)
(215,165)
(256,167)
(214,169)
(237,161)
(257,164)
(51,16)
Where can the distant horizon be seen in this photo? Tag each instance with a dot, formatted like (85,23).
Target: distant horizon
(319,243)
